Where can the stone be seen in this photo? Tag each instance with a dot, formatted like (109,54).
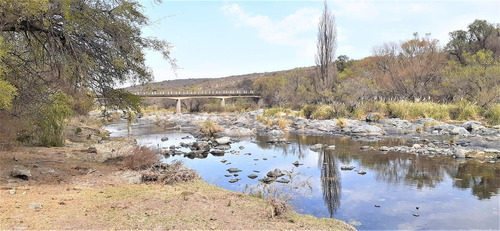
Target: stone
(267,180)
(163,139)
(275,173)
(366,147)
(347,167)
(132,177)
(201,145)
(223,140)
(473,126)
(233,170)
(296,163)
(459,153)
(234,180)
(367,130)
(276,132)
(316,147)
(252,176)
(12,191)
(217,152)
(361,172)
(373,117)
(416,146)
(331,147)
(384,149)
(20,172)
(35,206)
(283,180)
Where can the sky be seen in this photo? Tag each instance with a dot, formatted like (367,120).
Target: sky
(223,38)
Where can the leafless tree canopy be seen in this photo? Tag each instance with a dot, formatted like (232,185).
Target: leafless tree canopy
(326,46)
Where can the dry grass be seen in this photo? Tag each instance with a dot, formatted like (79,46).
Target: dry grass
(210,128)
(141,158)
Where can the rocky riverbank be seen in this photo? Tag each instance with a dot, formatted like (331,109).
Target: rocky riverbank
(425,136)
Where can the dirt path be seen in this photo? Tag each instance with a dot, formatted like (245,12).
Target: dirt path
(70,188)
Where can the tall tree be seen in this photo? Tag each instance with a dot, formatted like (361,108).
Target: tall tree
(326,47)
(480,35)
(75,45)
(51,49)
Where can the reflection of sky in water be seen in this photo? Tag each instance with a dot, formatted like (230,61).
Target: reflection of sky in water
(397,182)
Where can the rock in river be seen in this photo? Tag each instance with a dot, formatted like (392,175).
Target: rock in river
(316,147)
(233,170)
(283,180)
(252,176)
(234,180)
(346,167)
(223,140)
(275,173)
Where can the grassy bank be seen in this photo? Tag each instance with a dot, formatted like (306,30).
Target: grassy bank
(459,111)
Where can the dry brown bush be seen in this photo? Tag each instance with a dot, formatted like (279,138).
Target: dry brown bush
(141,158)
(169,173)
(278,207)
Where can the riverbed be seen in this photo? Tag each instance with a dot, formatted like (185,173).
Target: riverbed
(397,191)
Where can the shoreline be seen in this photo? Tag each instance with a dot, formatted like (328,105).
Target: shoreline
(74,187)
(425,136)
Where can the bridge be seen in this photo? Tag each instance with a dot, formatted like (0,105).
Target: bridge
(179,95)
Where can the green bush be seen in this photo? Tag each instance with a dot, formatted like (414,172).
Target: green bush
(308,110)
(492,114)
(51,120)
(464,110)
(272,111)
(412,110)
(323,112)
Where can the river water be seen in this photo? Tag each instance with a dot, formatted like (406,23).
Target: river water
(398,191)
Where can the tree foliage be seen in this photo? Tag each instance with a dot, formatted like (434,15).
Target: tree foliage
(480,35)
(79,47)
(477,81)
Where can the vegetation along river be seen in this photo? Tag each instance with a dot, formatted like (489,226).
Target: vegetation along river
(398,191)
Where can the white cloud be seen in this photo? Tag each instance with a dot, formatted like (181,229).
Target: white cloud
(295,29)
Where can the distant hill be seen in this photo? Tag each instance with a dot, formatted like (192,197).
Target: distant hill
(236,82)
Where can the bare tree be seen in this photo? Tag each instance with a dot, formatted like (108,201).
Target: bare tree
(326,46)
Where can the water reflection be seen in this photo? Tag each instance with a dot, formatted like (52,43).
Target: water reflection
(483,179)
(330,180)
(452,194)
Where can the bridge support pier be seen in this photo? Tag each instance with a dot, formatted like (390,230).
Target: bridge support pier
(223,102)
(178,106)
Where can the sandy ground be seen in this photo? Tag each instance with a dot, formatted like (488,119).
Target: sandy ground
(71,188)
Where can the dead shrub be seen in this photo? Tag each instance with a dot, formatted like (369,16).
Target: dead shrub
(278,207)
(169,173)
(141,158)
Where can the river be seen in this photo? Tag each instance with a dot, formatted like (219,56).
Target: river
(398,191)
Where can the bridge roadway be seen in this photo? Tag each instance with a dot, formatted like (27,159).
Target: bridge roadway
(179,95)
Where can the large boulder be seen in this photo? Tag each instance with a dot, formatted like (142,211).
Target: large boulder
(366,130)
(275,173)
(20,172)
(316,147)
(473,126)
(223,140)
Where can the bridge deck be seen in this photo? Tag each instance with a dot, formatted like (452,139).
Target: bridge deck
(193,94)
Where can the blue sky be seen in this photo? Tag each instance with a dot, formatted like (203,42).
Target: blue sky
(223,38)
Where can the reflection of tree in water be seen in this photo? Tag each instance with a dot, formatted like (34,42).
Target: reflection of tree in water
(483,179)
(330,181)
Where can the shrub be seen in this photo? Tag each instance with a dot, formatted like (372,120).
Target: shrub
(51,120)
(412,110)
(342,122)
(210,127)
(358,113)
(492,114)
(272,112)
(464,110)
(323,112)
(282,123)
(140,158)
(308,110)
(78,130)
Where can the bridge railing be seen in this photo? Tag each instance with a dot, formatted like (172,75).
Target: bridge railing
(195,93)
